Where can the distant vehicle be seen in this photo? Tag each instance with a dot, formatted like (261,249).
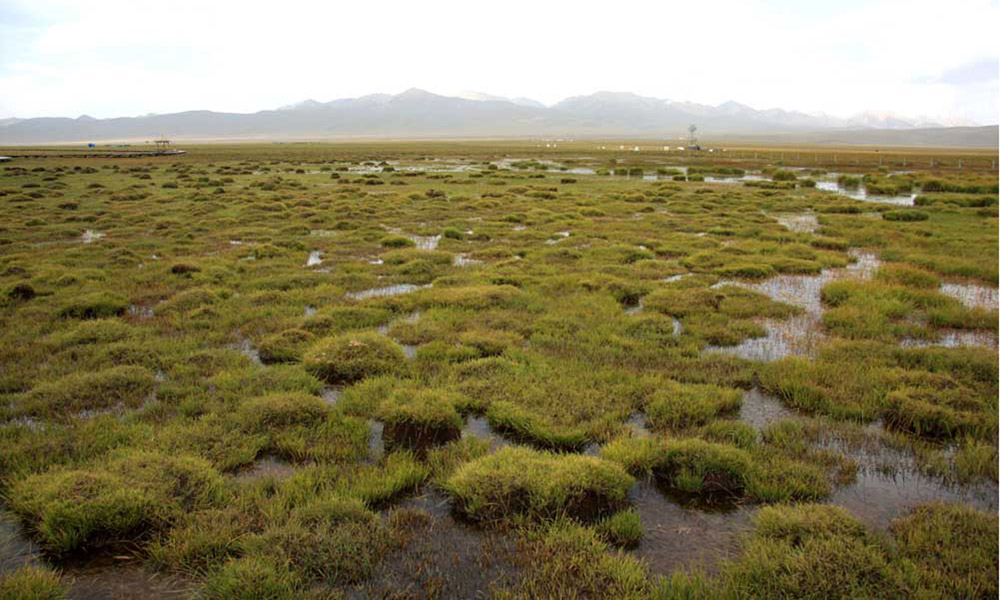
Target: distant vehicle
(91,145)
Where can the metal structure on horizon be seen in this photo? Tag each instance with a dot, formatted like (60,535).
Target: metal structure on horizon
(692,140)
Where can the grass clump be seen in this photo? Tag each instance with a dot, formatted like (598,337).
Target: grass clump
(937,414)
(345,318)
(622,529)
(521,481)
(567,560)
(252,578)
(348,358)
(332,540)
(115,501)
(905,215)
(677,405)
(700,467)
(125,385)
(286,346)
(300,427)
(691,465)
(525,425)
(813,551)
(95,305)
(954,547)
(419,418)
(32,582)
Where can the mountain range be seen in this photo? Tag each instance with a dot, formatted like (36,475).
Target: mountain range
(419,114)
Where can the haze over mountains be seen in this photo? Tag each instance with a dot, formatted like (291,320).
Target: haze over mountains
(417,113)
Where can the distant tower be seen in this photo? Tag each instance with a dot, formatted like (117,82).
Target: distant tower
(693,143)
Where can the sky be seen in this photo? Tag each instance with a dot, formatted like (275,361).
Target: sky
(110,58)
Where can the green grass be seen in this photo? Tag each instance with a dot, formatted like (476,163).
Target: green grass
(350,357)
(420,418)
(126,498)
(519,481)
(954,549)
(677,406)
(32,583)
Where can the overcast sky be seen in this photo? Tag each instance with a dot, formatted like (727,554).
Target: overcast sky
(108,58)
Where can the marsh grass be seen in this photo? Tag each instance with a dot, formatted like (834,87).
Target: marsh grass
(132,409)
(519,481)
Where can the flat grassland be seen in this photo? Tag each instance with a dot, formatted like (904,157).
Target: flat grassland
(499,369)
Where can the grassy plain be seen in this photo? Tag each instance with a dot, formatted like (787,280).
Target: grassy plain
(239,370)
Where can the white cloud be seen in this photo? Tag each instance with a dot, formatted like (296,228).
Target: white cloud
(117,57)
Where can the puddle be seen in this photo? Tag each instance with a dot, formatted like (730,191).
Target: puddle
(463,260)
(90,235)
(794,336)
(676,536)
(888,484)
(673,278)
(140,311)
(309,311)
(16,550)
(562,235)
(637,426)
(443,556)
(423,242)
(829,184)
(376,445)
(972,295)
(247,349)
(391,290)
(118,410)
(107,578)
(269,466)
(409,350)
(480,428)
(799,223)
(322,232)
(799,335)
(678,326)
(636,308)
(956,338)
(758,409)
(314,259)
(332,394)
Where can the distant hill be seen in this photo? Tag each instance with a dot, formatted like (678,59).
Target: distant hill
(417,113)
(958,137)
